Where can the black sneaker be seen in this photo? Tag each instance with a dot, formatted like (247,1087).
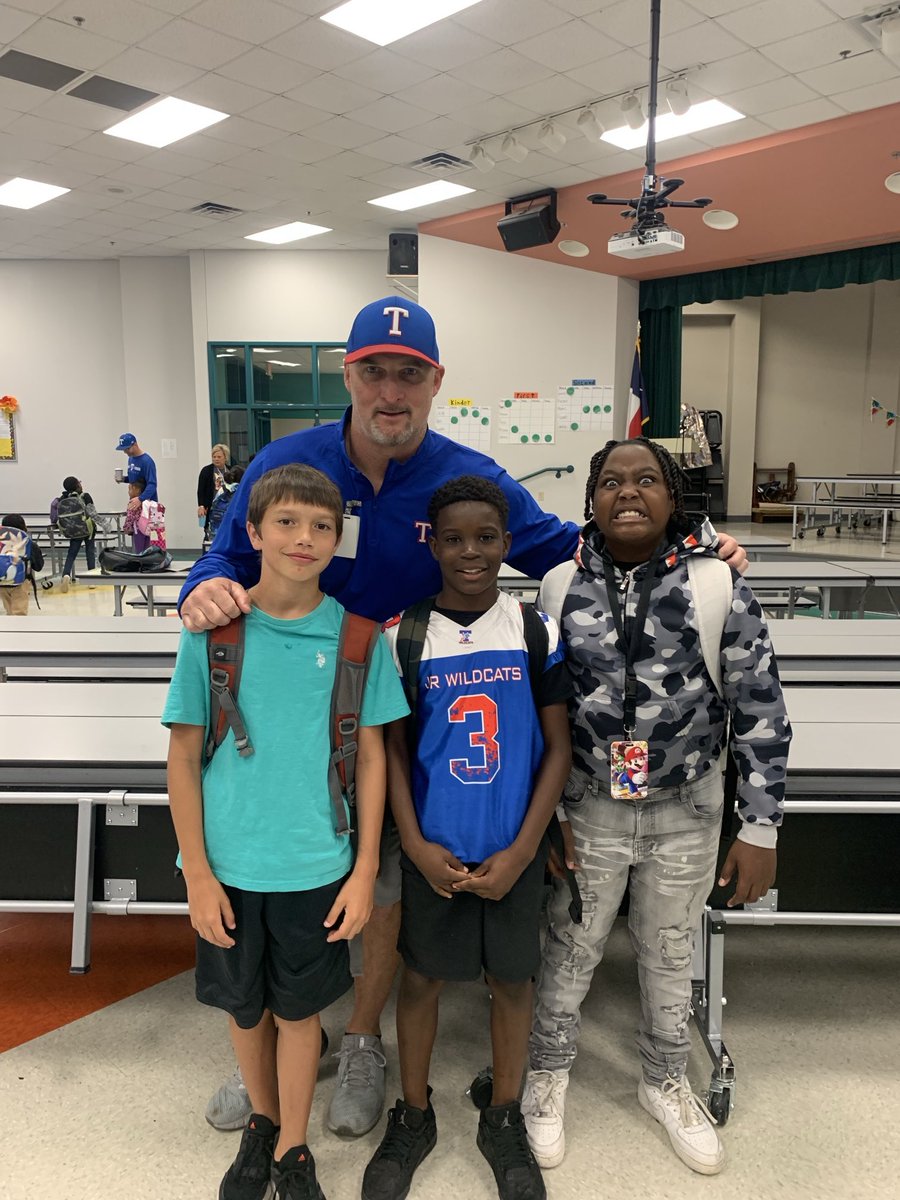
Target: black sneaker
(504,1143)
(249,1176)
(409,1138)
(294,1176)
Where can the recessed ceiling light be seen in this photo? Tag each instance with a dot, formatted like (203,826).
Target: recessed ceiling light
(165,122)
(425,193)
(384,22)
(705,115)
(280,362)
(720,218)
(228,354)
(573,249)
(892,183)
(287,233)
(28,193)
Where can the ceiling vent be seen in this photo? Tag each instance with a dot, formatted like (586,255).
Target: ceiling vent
(441,163)
(221,212)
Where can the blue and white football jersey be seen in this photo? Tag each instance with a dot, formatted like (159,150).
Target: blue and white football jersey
(479,740)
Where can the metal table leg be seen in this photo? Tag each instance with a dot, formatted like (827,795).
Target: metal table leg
(84,889)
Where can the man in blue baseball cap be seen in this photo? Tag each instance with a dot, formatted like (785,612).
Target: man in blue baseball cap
(386,463)
(140,467)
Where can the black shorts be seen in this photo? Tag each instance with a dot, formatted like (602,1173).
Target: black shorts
(459,938)
(280,960)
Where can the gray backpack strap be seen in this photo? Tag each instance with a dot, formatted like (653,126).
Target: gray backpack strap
(712,589)
(553,590)
(356,645)
(225,651)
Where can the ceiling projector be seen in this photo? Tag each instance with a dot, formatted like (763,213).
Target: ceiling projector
(646,243)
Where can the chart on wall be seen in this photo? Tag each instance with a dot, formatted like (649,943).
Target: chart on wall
(526,419)
(585,407)
(465,422)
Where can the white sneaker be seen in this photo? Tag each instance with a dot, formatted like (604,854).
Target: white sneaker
(543,1109)
(66,580)
(687,1121)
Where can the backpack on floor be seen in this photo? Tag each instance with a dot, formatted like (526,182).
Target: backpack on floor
(356,645)
(410,644)
(15,553)
(72,517)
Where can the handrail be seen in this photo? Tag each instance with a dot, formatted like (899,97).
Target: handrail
(543,471)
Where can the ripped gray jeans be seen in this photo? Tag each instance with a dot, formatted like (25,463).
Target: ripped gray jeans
(663,850)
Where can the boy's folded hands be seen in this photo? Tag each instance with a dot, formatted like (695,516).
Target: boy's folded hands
(493,878)
(441,868)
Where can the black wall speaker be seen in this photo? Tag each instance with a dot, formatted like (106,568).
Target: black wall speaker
(531,227)
(403,254)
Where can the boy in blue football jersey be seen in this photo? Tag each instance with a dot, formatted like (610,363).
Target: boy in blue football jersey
(473,785)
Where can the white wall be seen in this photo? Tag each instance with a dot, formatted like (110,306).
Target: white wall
(510,324)
(61,355)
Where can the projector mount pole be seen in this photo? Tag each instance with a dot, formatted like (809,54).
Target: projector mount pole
(650,173)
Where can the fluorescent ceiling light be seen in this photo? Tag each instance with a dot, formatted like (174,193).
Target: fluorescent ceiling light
(279,362)
(165,122)
(287,233)
(230,354)
(384,21)
(425,193)
(705,115)
(28,193)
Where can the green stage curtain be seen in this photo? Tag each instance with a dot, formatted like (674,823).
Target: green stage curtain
(661,368)
(863,265)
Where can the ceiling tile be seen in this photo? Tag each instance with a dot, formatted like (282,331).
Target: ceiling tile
(395,149)
(817,47)
(442,95)
(495,20)
(14,146)
(443,47)
(629,23)
(802,114)
(578,8)
(256,22)
(873,96)
(705,43)
(271,72)
(332,94)
(618,73)
(741,71)
(768,97)
(55,133)
(550,95)
(320,45)
(245,133)
(189,43)
(573,44)
(717,8)
(445,131)
(227,95)
(390,115)
(851,73)
(384,71)
(495,115)
(351,164)
(755,25)
(141,176)
(13,22)
(303,149)
(343,132)
(151,70)
(112,147)
(123,20)
(81,116)
(738,131)
(501,70)
(846,8)
(68,44)
(285,114)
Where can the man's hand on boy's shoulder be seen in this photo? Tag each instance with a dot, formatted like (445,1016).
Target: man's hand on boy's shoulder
(440,867)
(214,602)
(352,906)
(731,551)
(493,878)
(210,909)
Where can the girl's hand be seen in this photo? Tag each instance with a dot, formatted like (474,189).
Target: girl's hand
(210,909)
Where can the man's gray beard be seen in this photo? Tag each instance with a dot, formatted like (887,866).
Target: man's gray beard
(391,439)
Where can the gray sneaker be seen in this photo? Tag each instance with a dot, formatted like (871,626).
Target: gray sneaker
(229,1107)
(358,1099)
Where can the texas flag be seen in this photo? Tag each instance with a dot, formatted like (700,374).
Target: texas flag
(638,412)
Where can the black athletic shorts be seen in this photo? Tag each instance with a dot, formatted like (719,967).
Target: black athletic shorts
(462,937)
(280,960)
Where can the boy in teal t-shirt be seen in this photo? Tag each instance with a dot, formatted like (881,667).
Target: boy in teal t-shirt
(273,891)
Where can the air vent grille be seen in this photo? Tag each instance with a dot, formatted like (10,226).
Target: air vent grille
(209,208)
(441,163)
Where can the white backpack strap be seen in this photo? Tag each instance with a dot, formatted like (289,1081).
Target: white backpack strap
(712,588)
(553,589)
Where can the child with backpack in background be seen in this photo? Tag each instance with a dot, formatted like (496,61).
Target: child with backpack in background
(129,524)
(219,506)
(664,642)
(273,889)
(20,557)
(74,514)
(489,750)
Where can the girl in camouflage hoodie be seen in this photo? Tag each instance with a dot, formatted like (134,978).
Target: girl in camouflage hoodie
(645,797)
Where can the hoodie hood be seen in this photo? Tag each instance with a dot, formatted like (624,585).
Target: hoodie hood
(696,536)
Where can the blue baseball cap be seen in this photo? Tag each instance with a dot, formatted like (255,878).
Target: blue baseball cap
(393,325)
(126,441)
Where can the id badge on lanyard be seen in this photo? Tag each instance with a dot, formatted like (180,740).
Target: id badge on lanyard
(629,758)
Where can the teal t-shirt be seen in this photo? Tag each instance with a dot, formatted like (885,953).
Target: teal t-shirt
(267,819)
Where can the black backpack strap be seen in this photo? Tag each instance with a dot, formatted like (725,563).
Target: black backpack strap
(410,644)
(225,651)
(356,645)
(537,643)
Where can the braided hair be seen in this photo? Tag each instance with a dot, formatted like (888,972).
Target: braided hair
(672,474)
(468,487)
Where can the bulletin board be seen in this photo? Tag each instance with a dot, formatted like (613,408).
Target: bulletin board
(7,437)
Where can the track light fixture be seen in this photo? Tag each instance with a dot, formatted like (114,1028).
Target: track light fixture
(551,136)
(890,36)
(479,158)
(632,111)
(677,97)
(512,148)
(590,125)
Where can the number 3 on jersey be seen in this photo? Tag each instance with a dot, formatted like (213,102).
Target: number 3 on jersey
(483,739)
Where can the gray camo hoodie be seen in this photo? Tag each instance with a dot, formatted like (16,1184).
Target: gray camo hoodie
(679,712)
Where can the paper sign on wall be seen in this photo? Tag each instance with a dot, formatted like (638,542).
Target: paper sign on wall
(585,408)
(465,422)
(526,419)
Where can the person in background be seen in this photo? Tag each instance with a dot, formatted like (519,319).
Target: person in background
(140,466)
(15,595)
(220,504)
(209,483)
(129,525)
(77,524)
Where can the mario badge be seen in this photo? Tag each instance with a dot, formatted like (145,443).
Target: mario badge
(629,764)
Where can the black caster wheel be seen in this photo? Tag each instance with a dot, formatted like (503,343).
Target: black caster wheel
(801,534)
(324,1049)
(46,584)
(820,533)
(719,1105)
(481,1088)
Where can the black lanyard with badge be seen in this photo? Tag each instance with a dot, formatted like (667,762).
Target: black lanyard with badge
(629,760)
